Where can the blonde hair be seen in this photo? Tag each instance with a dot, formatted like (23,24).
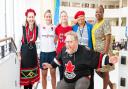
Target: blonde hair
(73,34)
(63,12)
(47,11)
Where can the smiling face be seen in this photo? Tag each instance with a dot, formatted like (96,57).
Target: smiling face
(71,43)
(99,13)
(81,19)
(30,18)
(64,17)
(48,17)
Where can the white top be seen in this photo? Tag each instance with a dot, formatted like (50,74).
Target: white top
(46,37)
(83,36)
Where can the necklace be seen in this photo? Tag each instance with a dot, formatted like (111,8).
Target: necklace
(30,38)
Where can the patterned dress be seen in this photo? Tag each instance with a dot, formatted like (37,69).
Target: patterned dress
(60,32)
(100,30)
(29,69)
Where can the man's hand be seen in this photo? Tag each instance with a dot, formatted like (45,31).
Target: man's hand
(46,65)
(113,59)
(108,67)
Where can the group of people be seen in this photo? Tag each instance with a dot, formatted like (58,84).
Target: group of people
(77,50)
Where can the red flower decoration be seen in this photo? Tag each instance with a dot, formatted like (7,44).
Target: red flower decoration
(30,10)
(69,67)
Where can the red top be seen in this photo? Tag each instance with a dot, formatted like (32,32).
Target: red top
(60,32)
(30,35)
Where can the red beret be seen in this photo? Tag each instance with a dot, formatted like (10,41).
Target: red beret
(30,10)
(78,14)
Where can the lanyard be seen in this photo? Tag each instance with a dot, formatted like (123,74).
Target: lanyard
(81,32)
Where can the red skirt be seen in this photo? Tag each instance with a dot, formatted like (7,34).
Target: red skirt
(29,76)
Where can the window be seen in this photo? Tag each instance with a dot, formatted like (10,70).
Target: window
(76,5)
(123,60)
(114,21)
(105,6)
(124,3)
(92,5)
(117,6)
(122,82)
(111,6)
(64,4)
(86,5)
(123,23)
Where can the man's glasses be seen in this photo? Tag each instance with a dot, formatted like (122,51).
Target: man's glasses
(70,41)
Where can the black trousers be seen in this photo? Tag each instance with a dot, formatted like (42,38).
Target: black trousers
(28,86)
(92,80)
(61,71)
(81,83)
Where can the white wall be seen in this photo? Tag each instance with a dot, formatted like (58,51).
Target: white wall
(90,12)
(9,18)
(20,7)
(45,5)
(119,33)
(15,10)
(2,16)
(9,72)
(6,18)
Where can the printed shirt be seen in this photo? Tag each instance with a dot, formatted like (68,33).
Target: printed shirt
(60,32)
(100,34)
(47,36)
(83,36)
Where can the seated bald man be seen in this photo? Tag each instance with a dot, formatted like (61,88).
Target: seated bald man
(77,61)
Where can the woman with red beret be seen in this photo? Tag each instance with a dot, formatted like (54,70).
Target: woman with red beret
(29,70)
(83,29)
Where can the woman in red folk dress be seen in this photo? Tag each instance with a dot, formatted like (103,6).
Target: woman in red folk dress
(29,70)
